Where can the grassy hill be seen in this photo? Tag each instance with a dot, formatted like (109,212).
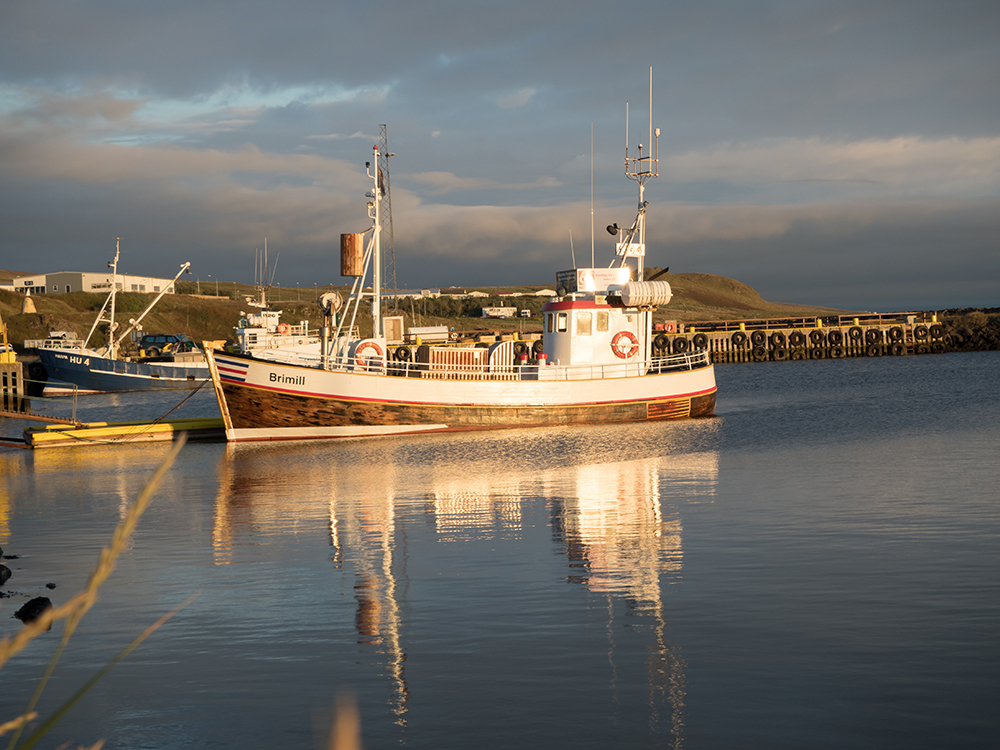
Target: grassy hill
(697,297)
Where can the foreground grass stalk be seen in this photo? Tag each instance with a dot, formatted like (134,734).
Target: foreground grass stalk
(74,609)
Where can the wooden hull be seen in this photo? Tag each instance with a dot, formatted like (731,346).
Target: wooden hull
(263,400)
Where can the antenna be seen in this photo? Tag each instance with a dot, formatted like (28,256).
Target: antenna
(591,199)
(640,169)
(572,252)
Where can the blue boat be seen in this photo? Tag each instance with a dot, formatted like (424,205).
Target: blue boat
(88,370)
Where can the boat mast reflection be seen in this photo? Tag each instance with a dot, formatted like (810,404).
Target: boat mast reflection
(622,541)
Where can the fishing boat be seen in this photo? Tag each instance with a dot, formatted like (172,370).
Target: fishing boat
(262,332)
(595,362)
(75,366)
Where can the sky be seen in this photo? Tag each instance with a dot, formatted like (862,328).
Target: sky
(838,153)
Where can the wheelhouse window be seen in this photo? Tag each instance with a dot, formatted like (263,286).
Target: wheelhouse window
(548,321)
(602,322)
(584,323)
(561,322)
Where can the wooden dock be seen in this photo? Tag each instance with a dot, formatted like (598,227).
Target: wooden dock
(118,433)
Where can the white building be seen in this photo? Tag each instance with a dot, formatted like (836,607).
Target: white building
(64,282)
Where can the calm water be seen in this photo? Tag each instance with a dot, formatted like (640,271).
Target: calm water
(817,567)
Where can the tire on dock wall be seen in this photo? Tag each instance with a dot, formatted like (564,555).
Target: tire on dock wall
(680,345)
(796,339)
(739,340)
(700,341)
(779,354)
(759,354)
(836,337)
(758,338)
(817,337)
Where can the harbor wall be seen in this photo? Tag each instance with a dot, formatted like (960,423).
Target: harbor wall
(835,337)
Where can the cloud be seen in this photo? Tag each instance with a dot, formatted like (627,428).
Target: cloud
(516,99)
(441,183)
(905,165)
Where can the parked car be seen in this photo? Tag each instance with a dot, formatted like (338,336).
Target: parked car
(155,345)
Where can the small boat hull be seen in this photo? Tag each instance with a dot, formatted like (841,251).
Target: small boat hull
(95,374)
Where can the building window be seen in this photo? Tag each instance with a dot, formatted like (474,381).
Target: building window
(67,289)
(156,288)
(142,287)
(55,288)
(135,287)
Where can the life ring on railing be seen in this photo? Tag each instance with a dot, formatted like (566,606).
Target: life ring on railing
(624,344)
(365,361)
(283,327)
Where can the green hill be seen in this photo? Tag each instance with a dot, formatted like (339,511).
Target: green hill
(697,297)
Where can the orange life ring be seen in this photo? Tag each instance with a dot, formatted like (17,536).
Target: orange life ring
(283,328)
(624,344)
(363,361)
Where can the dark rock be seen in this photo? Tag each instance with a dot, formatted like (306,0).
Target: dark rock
(33,609)
(50,585)
(5,574)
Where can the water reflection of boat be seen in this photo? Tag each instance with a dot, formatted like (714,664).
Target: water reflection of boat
(597,362)
(616,524)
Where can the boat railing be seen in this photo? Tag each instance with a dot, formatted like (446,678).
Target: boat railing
(503,371)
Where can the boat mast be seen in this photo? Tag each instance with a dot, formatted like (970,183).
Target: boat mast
(112,345)
(374,209)
(110,300)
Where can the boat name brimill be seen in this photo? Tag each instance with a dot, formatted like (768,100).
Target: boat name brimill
(288,379)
